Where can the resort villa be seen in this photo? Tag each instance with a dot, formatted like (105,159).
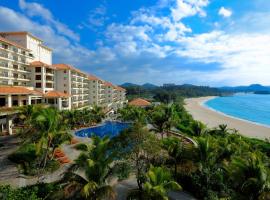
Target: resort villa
(28,76)
(139,102)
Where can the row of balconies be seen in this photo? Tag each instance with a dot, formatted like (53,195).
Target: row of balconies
(15,58)
(14,67)
(16,50)
(14,76)
(15,83)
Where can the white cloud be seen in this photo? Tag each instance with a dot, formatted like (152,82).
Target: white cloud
(225,12)
(242,57)
(187,8)
(154,46)
(35,9)
(63,49)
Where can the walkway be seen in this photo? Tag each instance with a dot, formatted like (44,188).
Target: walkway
(9,173)
(8,170)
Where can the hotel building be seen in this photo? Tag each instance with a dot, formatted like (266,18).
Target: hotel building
(27,76)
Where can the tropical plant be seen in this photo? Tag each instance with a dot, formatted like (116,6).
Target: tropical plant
(249,175)
(48,125)
(158,183)
(175,147)
(133,114)
(88,176)
(140,148)
(97,114)
(163,118)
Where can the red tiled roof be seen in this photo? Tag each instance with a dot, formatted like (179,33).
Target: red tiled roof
(41,64)
(139,102)
(62,66)
(55,94)
(108,84)
(92,77)
(5,90)
(120,88)
(12,43)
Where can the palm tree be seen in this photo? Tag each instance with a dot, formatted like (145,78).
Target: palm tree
(222,129)
(98,114)
(175,149)
(48,124)
(250,175)
(134,114)
(163,118)
(159,182)
(207,156)
(89,174)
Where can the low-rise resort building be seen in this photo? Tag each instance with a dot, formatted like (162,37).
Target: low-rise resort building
(28,76)
(139,102)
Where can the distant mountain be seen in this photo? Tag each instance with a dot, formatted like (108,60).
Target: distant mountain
(146,85)
(129,84)
(149,86)
(250,88)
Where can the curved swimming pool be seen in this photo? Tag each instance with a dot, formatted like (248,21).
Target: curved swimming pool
(108,128)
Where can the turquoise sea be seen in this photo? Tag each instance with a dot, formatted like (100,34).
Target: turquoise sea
(251,107)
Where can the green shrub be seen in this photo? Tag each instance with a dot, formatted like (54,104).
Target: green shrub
(25,154)
(8,193)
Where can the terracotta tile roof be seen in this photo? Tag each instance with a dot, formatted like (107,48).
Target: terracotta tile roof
(106,83)
(62,66)
(5,90)
(12,43)
(139,102)
(41,64)
(120,88)
(55,94)
(92,77)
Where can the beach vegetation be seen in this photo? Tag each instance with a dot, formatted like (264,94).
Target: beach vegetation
(88,177)
(209,163)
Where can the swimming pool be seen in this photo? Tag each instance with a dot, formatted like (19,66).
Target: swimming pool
(109,128)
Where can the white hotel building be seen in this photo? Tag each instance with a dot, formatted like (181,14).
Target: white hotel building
(27,76)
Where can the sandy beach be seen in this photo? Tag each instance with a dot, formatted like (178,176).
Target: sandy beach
(212,118)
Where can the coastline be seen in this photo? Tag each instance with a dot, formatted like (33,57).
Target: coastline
(212,118)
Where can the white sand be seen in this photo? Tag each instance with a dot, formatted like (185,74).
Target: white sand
(212,118)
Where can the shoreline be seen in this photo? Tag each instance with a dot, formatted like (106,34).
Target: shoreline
(212,118)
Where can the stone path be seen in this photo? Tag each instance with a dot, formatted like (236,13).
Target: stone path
(9,173)
(8,170)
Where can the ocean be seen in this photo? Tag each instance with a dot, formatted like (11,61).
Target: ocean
(251,107)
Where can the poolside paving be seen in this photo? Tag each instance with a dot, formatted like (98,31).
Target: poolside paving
(9,173)
(8,170)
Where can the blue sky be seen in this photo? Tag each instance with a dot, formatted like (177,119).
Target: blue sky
(204,42)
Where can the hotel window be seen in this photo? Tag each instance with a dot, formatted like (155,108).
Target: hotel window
(38,85)
(38,69)
(15,66)
(15,83)
(38,77)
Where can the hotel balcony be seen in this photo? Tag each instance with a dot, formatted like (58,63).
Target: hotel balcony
(15,50)
(49,85)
